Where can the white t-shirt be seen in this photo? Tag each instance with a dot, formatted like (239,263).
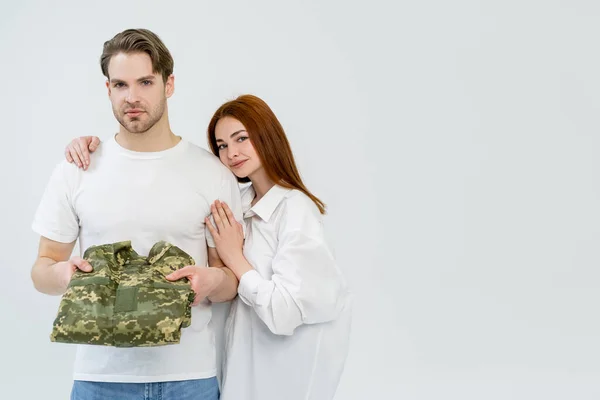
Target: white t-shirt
(288,331)
(144,197)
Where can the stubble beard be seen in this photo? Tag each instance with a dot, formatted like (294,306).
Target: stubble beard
(136,124)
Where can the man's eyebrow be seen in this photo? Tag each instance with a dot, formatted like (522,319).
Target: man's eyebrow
(146,78)
(143,78)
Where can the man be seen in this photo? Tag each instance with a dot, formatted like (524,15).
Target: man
(145,184)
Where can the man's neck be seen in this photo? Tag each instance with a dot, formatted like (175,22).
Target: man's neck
(158,138)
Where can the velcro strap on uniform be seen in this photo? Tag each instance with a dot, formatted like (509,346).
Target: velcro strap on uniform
(126,299)
(89,280)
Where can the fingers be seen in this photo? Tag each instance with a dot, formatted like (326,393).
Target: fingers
(81,264)
(94,143)
(217,217)
(68,155)
(82,150)
(222,213)
(228,212)
(181,273)
(76,153)
(71,152)
(185,272)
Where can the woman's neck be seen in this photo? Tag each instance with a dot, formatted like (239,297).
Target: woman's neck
(261,184)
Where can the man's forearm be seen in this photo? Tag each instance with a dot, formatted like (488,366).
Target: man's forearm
(44,277)
(226,289)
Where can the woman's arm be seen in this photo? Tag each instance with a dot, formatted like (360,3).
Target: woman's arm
(306,286)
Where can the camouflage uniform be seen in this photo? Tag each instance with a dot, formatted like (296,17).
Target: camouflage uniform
(126,300)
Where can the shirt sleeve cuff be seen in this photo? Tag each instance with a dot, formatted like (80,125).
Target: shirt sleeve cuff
(210,242)
(52,235)
(248,287)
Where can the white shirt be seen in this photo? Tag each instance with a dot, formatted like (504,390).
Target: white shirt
(287,333)
(144,197)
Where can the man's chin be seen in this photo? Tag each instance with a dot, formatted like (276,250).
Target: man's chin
(137,131)
(135,128)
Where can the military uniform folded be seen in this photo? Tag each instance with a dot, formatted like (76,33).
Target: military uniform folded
(126,301)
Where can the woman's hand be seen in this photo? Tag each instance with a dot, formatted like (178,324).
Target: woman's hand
(78,151)
(228,235)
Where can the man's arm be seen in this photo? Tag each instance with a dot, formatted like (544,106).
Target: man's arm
(52,270)
(227,288)
(215,282)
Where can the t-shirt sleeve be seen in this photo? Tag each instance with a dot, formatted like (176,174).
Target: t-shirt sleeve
(229,193)
(55,217)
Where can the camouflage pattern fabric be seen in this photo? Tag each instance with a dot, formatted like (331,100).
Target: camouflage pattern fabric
(126,301)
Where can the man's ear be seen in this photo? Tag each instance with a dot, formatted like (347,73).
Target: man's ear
(170,86)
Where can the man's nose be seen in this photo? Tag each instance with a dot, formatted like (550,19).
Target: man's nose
(132,96)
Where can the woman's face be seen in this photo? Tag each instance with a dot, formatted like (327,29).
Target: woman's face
(235,149)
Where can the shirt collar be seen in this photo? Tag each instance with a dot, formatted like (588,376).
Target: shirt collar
(265,207)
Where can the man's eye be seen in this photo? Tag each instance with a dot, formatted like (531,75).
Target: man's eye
(119,85)
(146,82)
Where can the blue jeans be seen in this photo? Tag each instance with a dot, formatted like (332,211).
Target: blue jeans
(196,389)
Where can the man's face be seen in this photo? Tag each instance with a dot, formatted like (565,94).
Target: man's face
(138,96)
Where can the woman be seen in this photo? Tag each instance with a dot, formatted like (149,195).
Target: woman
(287,332)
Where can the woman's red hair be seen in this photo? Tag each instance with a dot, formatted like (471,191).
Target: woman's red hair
(269,141)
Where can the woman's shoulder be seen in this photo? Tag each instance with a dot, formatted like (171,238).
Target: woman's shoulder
(299,209)
(298,198)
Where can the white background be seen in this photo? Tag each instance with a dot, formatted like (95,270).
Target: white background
(453,142)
